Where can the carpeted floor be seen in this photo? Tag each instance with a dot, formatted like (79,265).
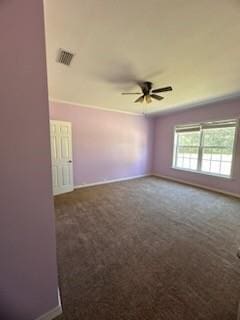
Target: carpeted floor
(148,249)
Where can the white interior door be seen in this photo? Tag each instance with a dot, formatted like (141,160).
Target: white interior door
(61,152)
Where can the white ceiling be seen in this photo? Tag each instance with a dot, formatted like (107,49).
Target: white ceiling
(192,45)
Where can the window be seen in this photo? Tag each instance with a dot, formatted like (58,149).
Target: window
(205,147)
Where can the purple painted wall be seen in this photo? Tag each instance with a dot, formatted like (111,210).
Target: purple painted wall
(164,137)
(106,145)
(28,273)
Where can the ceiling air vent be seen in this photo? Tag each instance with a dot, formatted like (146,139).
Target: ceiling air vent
(64,57)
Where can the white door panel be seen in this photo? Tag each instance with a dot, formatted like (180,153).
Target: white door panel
(54,176)
(61,152)
(54,147)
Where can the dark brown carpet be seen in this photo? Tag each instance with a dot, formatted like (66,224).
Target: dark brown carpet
(148,249)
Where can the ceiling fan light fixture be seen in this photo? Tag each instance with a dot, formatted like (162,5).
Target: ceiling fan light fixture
(148,99)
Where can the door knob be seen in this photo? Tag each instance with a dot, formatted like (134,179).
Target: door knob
(69,161)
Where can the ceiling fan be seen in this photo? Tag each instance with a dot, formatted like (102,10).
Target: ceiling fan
(148,93)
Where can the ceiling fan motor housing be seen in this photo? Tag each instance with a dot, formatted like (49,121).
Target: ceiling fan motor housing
(146,87)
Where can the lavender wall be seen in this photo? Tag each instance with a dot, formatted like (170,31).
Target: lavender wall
(106,145)
(28,274)
(164,136)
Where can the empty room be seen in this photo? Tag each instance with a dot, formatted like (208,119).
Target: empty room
(120,167)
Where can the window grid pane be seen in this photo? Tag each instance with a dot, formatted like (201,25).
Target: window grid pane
(186,157)
(214,162)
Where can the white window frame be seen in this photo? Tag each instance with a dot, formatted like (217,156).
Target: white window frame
(203,125)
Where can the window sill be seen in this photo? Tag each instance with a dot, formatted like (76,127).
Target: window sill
(204,173)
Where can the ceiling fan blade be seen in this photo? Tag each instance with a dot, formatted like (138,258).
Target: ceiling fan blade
(155,96)
(148,98)
(140,99)
(162,89)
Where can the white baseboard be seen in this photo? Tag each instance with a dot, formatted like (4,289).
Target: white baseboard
(196,185)
(110,181)
(53,313)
